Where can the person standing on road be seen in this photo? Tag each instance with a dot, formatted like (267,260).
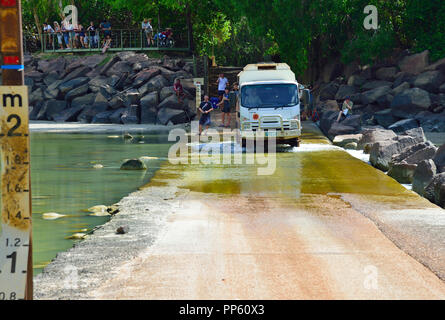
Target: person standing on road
(222,83)
(226,109)
(205,108)
(346,109)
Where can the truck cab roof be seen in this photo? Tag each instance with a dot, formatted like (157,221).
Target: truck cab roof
(266,72)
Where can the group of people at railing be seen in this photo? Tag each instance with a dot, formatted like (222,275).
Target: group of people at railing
(70,36)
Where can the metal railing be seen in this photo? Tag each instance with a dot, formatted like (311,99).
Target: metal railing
(121,40)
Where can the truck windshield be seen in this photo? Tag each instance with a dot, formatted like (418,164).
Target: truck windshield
(269,95)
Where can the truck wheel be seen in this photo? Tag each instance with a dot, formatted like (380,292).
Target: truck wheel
(295,143)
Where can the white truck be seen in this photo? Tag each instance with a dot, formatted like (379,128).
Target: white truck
(269,100)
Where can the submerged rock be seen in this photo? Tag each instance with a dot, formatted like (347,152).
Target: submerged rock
(133,164)
(52,216)
(123,230)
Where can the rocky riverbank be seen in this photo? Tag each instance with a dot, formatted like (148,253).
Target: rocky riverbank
(74,273)
(123,88)
(394,104)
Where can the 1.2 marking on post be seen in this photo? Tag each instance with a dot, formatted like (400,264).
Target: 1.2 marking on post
(15,189)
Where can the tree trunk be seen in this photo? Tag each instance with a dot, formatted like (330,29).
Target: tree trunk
(159,17)
(37,22)
(189,27)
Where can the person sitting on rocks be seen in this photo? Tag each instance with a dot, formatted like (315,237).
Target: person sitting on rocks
(179,90)
(346,109)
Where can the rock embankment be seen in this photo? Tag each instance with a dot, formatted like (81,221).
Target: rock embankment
(125,88)
(403,93)
(394,104)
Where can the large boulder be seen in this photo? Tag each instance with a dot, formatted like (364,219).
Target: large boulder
(69,114)
(155,84)
(115,117)
(151,100)
(101,101)
(402,172)
(50,109)
(77,73)
(438,65)
(410,102)
(148,115)
(328,91)
(172,102)
(433,187)
(69,85)
(356,80)
(343,140)
(382,152)
(371,136)
(145,75)
(423,175)
(386,74)
(107,66)
(51,77)
(439,158)
(166,115)
(102,117)
(83,101)
(98,82)
(371,85)
(404,125)
(416,63)
(416,133)
(35,96)
(400,88)
(327,119)
(340,129)
(385,118)
(77,92)
(34,110)
(416,153)
(345,91)
(402,77)
(430,81)
(116,102)
(131,115)
(120,68)
(133,96)
(374,95)
(89,112)
(166,92)
(328,105)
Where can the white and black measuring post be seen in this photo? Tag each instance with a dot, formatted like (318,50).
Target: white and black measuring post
(198,82)
(16,226)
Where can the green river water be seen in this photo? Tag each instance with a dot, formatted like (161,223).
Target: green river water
(65,181)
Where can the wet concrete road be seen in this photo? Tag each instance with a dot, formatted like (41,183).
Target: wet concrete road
(312,230)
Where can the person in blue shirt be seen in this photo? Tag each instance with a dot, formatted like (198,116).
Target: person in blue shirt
(205,108)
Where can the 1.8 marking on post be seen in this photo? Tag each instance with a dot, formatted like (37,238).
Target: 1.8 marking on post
(15,211)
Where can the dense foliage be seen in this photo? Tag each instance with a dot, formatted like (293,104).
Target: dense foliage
(303,33)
